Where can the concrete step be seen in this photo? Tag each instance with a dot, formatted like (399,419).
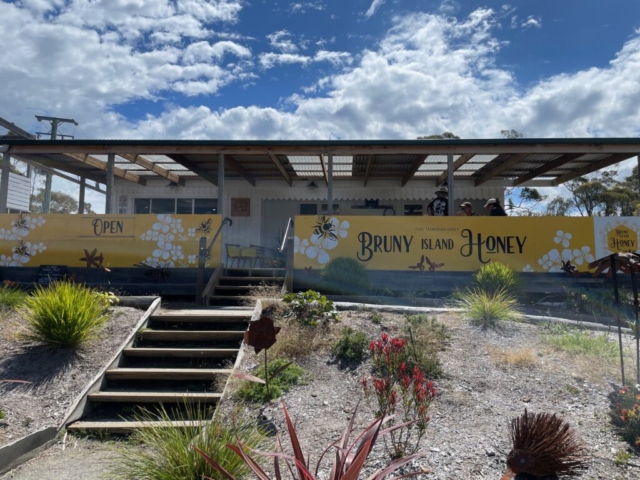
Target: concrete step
(181,352)
(190,336)
(165,373)
(154,397)
(129,427)
(204,316)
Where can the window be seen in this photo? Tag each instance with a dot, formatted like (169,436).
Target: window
(412,209)
(176,205)
(205,205)
(308,209)
(336,208)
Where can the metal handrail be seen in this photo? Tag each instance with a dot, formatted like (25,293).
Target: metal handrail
(286,235)
(215,237)
(203,249)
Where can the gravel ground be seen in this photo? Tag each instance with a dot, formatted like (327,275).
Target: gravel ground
(57,376)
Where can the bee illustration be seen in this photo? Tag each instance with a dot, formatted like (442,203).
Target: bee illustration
(204,227)
(308,270)
(158,273)
(21,250)
(570,269)
(324,228)
(421,264)
(433,266)
(21,223)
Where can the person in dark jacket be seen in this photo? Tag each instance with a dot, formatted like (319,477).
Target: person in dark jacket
(495,210)
(439,206)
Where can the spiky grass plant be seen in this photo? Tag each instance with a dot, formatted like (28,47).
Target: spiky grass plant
(489,310)
(11,297)
(494,277)
(63,314)
(169,453)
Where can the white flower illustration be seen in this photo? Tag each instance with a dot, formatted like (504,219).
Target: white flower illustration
(300,245)
(192,259)
(157,263)
(191,232)
(583,255)
(341,228)
(167,250)
(9,261)
(319,248)
(553,260)
(562,237)
(527,268)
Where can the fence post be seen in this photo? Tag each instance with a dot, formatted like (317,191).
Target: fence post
(202,258)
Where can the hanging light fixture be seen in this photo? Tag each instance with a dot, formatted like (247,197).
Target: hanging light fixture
(312,184)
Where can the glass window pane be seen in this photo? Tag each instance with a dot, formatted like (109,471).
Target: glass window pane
(163,205)
(308,209)
(412,209)
(142,205)
(185,205)
(205,205)
(336,208)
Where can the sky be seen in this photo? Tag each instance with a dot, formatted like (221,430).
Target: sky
(321,69)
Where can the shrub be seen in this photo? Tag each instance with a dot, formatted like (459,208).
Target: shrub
(311,309)
(1,415)
(282,383)
(582,342)
(348,459)
(495,277)
(405,395)
(63,314)
(426,338)
(489,310)
(346,276)
(351,346)
(169,454)
(11,296)
(626,415)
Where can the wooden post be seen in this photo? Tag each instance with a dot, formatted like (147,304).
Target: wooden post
(288,279)
(330,184)
(111,159)
(614,274)
(48,184)
(639,173)
(221,184)
(202,258)
(451,200)
(4,183)
(83,182)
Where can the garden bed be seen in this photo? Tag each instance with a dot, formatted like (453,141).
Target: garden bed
(491,376)
(56,376)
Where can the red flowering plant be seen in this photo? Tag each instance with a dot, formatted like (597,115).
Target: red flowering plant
(402,394)
(626,414)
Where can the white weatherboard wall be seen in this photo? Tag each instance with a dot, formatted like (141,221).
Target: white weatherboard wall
(19,192)
(255,229)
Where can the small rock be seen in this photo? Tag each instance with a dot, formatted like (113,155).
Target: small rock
(434,449)
(325,403)
(490,453)
(526,399)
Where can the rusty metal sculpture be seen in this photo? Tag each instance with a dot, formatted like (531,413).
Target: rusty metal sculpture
(544,444)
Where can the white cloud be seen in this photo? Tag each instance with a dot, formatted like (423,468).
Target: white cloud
(303,7)
(514,21)
(375,5)
(281,40)
(450,7)
(271,59)
(531,21)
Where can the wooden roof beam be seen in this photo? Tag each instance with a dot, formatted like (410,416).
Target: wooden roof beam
(203,173)
(464,158)
(593,167)
(367,172)
(100,165)
(276,161)
(324,169)
(152,167)
(240,170)
(16,129)
(501,166)
(417,163)
(546,167)
(51,162)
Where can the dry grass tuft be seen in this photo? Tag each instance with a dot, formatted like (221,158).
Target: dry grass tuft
(513,357)
(262,291)
(296,342)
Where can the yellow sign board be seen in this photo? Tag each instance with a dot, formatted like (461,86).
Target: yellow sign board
(529,244)
(95,241)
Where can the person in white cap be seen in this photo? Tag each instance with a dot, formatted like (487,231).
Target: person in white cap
(495,210)
(439,206)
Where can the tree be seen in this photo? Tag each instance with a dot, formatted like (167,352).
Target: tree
(524,202)
(511,133)
(440,136)
(60,203)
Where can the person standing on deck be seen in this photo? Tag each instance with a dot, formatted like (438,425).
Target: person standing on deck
(495,210)
(439,206)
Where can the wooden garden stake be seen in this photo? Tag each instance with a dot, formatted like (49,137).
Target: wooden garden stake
(617,299)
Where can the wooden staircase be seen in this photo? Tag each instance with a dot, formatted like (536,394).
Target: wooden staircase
(235,283)
(177,357)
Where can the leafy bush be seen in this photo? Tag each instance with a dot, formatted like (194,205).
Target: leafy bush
(169,454)
(11,296)
(311,308)
(348,460)
(495,277)
(282,383)
(346,276)
(108,299)
(626,415)
(64,314)
(405,395)
(351,346)
(582,342)
(489,310)
(426,338)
